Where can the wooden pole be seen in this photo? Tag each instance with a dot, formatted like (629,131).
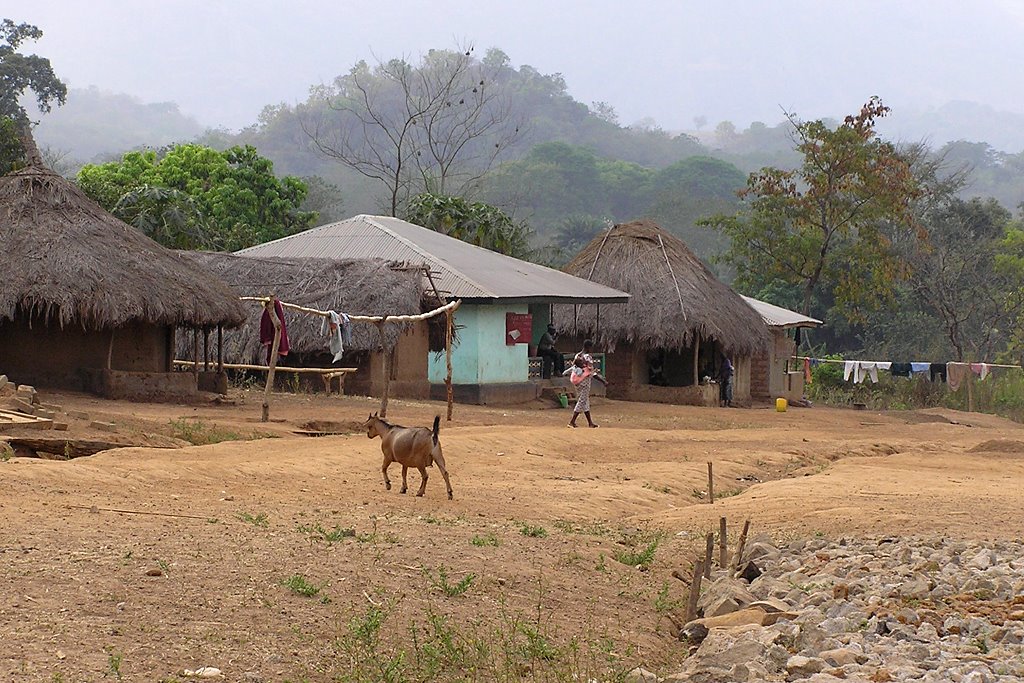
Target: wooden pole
(195,354)
(273,358)
(739,547)
(220,348)
(206,349)
(386,371)
(723,549)
(110,348)
(709,551)
(448,362)
(691,604)
(711,482)
(696,360)
(970,389)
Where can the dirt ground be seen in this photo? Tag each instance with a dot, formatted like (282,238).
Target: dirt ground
(140,563)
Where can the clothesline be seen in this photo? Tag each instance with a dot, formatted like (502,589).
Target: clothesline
(842,361)
(450,306)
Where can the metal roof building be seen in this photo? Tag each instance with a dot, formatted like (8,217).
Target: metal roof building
(461,270)
(780,318)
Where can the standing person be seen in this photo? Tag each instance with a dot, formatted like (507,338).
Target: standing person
(550,357)
(584,363)
(725,375)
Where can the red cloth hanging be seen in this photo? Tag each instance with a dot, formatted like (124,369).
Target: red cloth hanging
(267,331)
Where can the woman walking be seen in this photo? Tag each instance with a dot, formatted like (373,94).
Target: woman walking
(582,372)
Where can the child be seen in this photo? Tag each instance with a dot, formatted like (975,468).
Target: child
(581,374)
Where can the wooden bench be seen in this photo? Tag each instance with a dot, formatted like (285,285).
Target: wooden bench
(326,374)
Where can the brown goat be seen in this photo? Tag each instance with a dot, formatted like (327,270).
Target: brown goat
(410,447)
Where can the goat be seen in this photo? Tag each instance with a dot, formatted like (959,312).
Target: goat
(410,447)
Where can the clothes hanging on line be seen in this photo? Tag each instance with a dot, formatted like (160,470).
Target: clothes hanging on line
(937,372)
(346,329)
(920,368)
(900,370)
(267,330)
(860,371)
(336,344)
(808,377)
(981,369)
(956,374)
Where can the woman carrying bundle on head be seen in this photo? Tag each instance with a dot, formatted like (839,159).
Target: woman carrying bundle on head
(582,374)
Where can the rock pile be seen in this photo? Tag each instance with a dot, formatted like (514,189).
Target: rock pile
(888,609)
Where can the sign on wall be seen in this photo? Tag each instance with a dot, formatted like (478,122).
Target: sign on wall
(518,328)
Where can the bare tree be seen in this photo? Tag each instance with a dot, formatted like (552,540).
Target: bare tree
(438,126)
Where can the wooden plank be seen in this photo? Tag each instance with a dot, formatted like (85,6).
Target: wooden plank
(10,419)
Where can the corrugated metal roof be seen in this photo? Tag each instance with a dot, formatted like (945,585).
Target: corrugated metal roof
(777,316)
(461,269)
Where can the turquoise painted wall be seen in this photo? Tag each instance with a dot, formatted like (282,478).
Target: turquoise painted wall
(482,356)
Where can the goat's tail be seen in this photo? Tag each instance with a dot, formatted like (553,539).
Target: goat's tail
(437,428)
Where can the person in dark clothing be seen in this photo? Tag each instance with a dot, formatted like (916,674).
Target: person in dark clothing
(550,357)
(725,375)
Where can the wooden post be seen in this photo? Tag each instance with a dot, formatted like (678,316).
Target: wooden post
(110,348)
(723,549)
(195,355)
(691,604)
(696,359)
(448,361)
(273,357)
(711,482)
(386,363)
(709,551)
(220,348)
(970,389)
(739,548)
(206,349)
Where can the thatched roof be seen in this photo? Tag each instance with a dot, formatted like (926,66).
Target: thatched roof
(68,260)
(360,287)
(673,296)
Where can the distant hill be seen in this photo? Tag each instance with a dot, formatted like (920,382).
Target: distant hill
(958,120)
(95,125)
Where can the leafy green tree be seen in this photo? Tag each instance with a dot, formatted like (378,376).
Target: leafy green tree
(577,231)
(199,198)
(474,222)
(956,276)
(821,225)
(12,155)
(19,73)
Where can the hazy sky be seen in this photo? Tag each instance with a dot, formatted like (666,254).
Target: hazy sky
(223,60)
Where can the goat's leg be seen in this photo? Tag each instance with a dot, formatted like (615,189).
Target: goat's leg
(384,470)
(423,480)
(439,461)
(405,485)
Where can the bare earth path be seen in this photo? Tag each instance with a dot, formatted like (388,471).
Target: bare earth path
(78,601)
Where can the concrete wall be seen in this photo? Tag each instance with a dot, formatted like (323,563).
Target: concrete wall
(482,357)
(46,355)
(141,386)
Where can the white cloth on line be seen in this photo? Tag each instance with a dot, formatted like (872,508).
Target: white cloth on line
(335,344)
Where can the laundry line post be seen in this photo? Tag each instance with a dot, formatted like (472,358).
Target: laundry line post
(386,369)
(270,308)
(448,360)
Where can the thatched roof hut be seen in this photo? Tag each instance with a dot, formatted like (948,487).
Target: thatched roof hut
(360,287)
(673,296)
(70,262)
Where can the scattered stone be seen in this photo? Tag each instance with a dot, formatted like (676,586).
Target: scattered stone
(103,426)
(799,666)
(749,572)
(78,414)
(203,672)
(22,406)
(641,675)
(154,572)
(60,426)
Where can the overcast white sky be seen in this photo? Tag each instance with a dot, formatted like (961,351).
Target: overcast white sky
(223,60)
